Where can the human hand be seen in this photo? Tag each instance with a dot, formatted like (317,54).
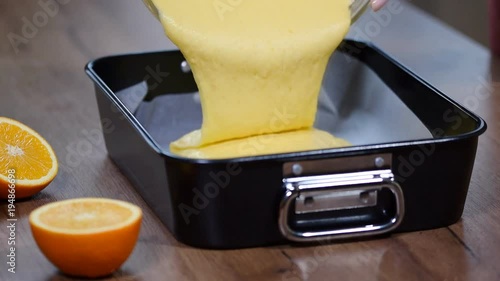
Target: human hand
(378,4)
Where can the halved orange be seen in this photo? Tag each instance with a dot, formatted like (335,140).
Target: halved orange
(26,159)
(86,237)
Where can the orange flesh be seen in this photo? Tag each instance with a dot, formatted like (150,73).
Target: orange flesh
(85,215)
(23,152)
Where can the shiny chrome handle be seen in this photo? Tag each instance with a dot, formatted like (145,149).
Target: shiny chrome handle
(335,192)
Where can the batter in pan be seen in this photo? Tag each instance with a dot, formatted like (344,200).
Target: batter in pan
(258,65)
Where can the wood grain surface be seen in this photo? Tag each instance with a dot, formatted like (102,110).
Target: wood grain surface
(42,83)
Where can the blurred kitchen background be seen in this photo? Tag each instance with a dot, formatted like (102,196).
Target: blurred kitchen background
(468,16)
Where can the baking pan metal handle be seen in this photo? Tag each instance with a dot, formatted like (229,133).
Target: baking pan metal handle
(336,195)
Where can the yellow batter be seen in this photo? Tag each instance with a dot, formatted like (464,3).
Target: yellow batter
(258,65)
(298,140)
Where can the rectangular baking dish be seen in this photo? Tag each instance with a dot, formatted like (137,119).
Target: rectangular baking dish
(409,167)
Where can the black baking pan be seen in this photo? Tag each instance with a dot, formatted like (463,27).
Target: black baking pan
(408,169)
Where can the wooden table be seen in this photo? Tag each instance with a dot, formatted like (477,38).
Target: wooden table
(44,86)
